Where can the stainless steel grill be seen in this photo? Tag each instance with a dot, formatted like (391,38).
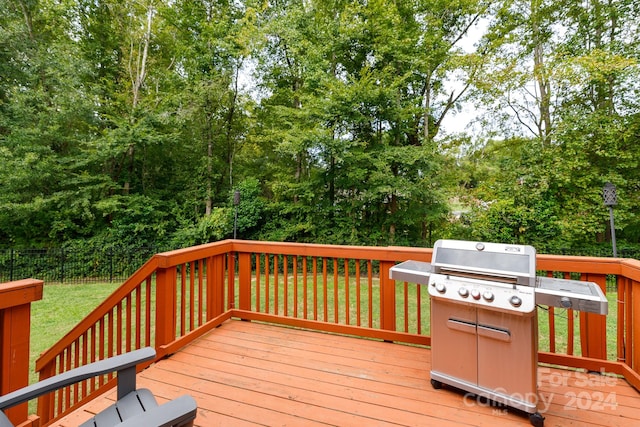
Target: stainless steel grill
(484,336)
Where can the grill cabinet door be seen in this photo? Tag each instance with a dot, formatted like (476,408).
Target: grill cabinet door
(507,353)
(454,349)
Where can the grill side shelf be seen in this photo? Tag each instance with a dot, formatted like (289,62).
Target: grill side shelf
(574,294)
(411,271)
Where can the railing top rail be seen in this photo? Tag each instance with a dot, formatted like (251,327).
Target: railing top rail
(180,256)
(388,253)
(630,268)
(581,264)
(381,253)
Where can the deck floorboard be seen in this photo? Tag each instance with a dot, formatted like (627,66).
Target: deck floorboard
(250,374)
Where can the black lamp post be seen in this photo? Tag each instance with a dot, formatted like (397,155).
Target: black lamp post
(236,202)
(610,200)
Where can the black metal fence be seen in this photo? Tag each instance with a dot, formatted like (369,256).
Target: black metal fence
(90,265)
(604,251)
(58,265)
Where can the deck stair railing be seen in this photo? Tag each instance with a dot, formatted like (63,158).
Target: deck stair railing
(178,296)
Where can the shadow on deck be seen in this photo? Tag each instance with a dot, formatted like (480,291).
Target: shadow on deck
(249,373)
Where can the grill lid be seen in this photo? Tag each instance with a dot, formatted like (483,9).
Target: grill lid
(491,261)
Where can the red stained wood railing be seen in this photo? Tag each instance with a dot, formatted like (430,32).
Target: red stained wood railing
(177,296)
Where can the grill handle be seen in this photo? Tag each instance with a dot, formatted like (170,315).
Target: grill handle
(461,325)
(499,334)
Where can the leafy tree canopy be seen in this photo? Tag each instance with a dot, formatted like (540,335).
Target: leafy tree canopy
(135,123)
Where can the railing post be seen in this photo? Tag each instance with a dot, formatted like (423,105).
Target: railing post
(244,276)
(215,286)
(593,327)
(387,297)
(15,332)
(166,305)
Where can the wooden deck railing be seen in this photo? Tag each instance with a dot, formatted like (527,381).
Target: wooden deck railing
(178,296)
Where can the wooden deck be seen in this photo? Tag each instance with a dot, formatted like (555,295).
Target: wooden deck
(248,374)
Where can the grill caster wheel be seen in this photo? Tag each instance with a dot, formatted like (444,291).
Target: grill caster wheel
(536,420)
(436,384)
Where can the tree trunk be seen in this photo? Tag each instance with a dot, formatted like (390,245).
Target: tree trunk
(138,74)
(540,76)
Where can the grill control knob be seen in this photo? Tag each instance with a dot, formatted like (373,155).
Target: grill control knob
(475,294)
(488,296)
(565,302)
(515,301)
(463,292)
(440,287)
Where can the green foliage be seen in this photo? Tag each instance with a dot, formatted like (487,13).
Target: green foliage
(128,123)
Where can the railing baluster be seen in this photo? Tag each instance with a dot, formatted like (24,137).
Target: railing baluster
(138,324)
(315,287)
(200,290)
(336,309)
(147,314)
(295,286)
(267,273)
(93,353)
(419,309)
(182,298)
(129,323)
(571,332)
(59,393)
(551,313)
(324,289)
(276,286)
(258,302)
(285,279)
(406,306)
(85,360)
(118,329)
(75,364)
(305,283)
(347,304)
(102,346)
(620,301)
(358,296)
(370,298)
(68,366)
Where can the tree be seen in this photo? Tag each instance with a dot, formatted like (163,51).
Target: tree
(211,46)
(561,76)
(47,194)
(349,81)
